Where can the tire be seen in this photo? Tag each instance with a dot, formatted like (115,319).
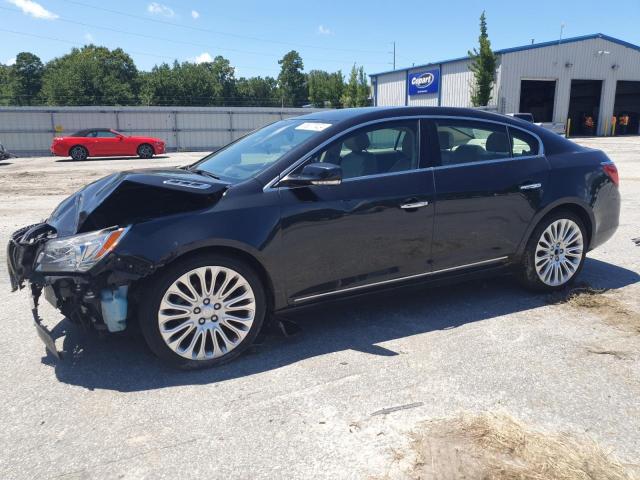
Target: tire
(145,151)
(78,153)
(176,335)
(547,266)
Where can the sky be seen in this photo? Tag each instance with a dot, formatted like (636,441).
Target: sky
(329,34)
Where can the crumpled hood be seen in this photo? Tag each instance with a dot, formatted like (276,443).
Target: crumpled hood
(127,197)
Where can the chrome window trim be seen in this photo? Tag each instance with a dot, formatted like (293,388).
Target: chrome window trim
(386,174)
(400,279)
(486,162)
(273,182)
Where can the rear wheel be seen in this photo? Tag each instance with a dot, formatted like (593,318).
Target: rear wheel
(145,151)
(555,253)
(78,153)
(203,312)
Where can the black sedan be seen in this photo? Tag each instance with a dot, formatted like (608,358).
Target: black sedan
(311,209)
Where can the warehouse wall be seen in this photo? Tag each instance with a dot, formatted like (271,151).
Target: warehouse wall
(549,63)
(391,89)
(29,130)
(458,80)
(455,87)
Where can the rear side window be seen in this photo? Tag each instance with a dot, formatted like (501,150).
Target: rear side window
(523,144)
(469,141)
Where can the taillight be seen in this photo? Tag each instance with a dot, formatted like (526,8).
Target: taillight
(612,172)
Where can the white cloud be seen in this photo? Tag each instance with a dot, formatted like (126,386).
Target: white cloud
(322,30)
(10,61)
(89,38)
(159,9)
(195,14)
(204,57)
(34,9)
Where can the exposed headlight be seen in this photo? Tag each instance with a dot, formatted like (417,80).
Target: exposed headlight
(80,252)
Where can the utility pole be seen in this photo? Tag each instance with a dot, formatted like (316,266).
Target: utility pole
(394,54)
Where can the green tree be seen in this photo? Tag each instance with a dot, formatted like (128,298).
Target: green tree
(187,83)
(291,81)
(91,75)
(335,89)
(20,83)
(318,83)
(325,89)
(160,86)
(257,91)
(223,77)
(483,66)
(362,90)
(350,92)
(5,93)
(196,85)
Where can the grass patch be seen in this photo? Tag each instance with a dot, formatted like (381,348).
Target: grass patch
(498,447)
(601,303)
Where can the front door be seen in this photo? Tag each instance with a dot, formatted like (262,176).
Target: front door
(109,143)
(489,185)
(374,227)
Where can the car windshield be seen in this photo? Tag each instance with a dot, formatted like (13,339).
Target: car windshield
(258,150)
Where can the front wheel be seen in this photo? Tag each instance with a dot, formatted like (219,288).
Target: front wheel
(145,151)
(203,311)
(555,253)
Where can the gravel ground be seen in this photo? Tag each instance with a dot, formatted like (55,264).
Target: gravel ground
(319,405)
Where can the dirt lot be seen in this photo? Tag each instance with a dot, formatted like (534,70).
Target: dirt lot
(396,386)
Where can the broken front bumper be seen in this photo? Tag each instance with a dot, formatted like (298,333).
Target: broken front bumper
(21,255)
(98,298)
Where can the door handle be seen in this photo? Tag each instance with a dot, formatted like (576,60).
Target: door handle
(413,205)
(531,186)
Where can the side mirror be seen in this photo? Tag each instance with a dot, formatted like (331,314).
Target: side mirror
(315,174)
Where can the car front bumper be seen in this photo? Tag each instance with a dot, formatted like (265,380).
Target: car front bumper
(98,298)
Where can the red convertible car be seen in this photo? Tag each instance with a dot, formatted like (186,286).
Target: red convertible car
(103,142)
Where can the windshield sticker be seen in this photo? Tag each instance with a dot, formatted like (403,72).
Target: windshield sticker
(313,126)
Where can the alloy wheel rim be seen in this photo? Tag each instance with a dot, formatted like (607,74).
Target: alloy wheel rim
(559,252)
(146,151)
(206,313)
(77,153)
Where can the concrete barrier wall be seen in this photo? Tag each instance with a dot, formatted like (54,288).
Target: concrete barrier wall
(29,130)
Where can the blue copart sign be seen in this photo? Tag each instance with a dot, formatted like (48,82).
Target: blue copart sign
(424,82)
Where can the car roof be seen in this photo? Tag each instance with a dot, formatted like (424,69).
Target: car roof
(374,113)
(84,131)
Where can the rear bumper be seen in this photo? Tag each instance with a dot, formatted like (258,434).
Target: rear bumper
(606,211)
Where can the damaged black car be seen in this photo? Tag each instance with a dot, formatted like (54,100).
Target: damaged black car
(315,208)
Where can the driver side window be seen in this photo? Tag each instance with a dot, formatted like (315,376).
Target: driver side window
(105,134)
(378,149)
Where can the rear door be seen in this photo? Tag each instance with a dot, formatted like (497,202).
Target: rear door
(489,185)
(374,227)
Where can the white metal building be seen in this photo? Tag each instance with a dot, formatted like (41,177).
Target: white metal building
(594,76)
